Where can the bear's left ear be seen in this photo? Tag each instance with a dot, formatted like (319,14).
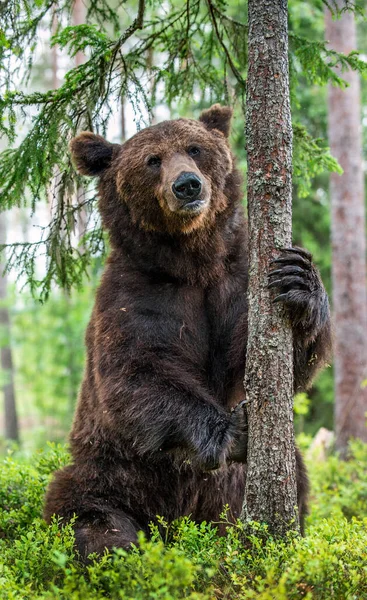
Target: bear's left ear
(217,117)
(91,153)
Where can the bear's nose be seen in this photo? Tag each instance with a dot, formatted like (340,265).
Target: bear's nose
(187,186)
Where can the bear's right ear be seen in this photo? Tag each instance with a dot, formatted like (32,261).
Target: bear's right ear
(217,117)
(91,153)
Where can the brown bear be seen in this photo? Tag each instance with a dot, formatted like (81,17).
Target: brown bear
(155,432)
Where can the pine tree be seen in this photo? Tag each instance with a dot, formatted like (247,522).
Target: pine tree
(199,50)
(271,491)
(11,429)
(348,243)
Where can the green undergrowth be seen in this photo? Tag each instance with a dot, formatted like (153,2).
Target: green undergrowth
(190,561)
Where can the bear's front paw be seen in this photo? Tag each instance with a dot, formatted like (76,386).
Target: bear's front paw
(229,444)
(300,288)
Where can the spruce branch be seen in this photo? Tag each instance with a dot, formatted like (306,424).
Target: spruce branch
(233,67)
(200,53)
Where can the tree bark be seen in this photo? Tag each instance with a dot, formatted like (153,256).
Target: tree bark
(11,431)
(78,16)
(348,243)
(79,19)
(54,54)
(271,494)
(150,64)
(123,120)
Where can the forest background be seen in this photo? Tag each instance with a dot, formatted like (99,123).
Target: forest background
(98,65)
(54,272)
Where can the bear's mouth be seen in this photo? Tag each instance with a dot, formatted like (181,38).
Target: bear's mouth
(188,202)
(186,208)
(195,206)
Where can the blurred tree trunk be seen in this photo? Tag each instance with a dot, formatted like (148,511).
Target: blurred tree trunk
(55,82)
(348,243)
(11,431)
(123,120)
(79,14)
(150,64)
(54,55)
(271,494)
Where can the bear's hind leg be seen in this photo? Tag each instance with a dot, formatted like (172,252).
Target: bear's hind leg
(104,531)
(303,489)
(101,521)
(218,489)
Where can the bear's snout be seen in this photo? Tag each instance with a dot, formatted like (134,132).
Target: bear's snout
(187,187)
(184,191)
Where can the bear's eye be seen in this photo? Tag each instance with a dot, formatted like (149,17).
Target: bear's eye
(154,161)
(193,151)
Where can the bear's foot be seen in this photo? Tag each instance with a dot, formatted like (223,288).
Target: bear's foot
(104,532)
(100,524)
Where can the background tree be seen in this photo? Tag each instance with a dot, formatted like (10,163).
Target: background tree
(200,57)
(11,430)
(78,18)
(271,492)
(348,241)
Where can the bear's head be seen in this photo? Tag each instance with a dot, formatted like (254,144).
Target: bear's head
(171,177)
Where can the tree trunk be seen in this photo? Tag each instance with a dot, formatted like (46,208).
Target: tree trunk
(123,120)
(11,431)
(271,494)
(55,82)
(54,54)
(348,243)
(79,19)
(150,64)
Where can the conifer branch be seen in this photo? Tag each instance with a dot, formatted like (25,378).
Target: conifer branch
(200,50)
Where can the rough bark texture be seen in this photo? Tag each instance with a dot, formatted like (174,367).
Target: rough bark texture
(271,483)
(11,431)
(348,243)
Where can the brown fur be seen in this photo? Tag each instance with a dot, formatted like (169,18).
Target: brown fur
(154,433)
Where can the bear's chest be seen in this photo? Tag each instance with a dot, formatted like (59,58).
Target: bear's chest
(189,321)
(202,330)
(177,318)
(206,329)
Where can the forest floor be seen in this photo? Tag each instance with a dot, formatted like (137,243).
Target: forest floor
(39,562)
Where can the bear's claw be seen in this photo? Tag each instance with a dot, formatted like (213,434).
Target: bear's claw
(299,287)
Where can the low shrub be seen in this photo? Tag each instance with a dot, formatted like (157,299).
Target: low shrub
(38,562)
(339,488)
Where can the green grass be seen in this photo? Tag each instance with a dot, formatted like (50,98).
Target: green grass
(39,562)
